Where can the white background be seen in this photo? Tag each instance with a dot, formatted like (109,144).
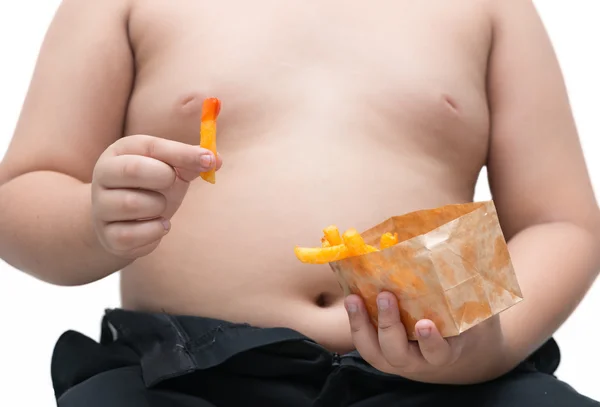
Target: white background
(34,314)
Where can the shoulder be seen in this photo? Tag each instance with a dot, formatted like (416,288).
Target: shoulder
(506,13)
(82,9)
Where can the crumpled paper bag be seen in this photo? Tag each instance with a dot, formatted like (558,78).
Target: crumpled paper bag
(451,265)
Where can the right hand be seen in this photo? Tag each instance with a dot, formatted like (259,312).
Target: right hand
(138,184)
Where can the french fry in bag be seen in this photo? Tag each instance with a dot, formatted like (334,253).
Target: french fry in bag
(449,264)
(388,240)
(355,243)
(321,255)
(332,234)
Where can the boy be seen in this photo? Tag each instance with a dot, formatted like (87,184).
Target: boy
(332,113)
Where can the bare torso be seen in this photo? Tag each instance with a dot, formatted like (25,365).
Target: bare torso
(333,112)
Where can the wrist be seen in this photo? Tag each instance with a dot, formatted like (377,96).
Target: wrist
(487,355)
(90,261)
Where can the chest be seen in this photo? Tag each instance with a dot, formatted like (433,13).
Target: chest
(391,61)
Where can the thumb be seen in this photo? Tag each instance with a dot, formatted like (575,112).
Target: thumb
(208,162)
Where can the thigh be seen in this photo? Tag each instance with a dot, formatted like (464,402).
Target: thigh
(517,389)
(523,389)
(124,387)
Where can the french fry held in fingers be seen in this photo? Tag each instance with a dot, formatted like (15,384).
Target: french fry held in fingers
(208,132)
(388,240)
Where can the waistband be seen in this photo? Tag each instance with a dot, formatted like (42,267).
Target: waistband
(171,346)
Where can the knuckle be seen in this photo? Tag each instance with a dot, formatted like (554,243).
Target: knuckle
(150,149)
(131,203)
(123,238)
(385,325)
(131,169)
(117,147)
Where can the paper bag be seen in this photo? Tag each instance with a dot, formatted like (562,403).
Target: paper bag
(451,265)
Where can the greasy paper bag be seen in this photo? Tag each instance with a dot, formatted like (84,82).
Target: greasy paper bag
(451,265)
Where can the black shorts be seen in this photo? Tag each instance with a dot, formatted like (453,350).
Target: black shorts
(156,360)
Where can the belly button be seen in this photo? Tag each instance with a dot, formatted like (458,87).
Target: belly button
(323,300)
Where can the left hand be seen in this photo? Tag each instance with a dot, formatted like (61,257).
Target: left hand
(388,349)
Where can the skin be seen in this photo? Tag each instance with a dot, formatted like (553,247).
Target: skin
(330,115)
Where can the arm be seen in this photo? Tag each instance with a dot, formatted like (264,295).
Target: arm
(547,209)
(73,111)
(539,182)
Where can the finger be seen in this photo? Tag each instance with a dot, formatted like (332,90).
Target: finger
(434,348)
(135,171)
(140,251)
(364,335)
(391,332)
(192,158)
(129,204)
(190,175)
(128,236)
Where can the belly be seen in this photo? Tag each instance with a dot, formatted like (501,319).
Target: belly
(229,254)
(320,125)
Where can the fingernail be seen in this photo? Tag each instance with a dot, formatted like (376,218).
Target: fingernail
(383,304)
(206,161)
(166,224)
(352,308)
(424,332)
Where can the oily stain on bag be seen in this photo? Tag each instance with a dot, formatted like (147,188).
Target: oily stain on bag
(451,265)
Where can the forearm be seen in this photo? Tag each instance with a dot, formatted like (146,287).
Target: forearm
(556,264)
(46,230)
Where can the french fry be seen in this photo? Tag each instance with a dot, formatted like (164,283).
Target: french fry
(350,244)
(355,243)
(321,255)
(388,240)
(208,132)
(332,234)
